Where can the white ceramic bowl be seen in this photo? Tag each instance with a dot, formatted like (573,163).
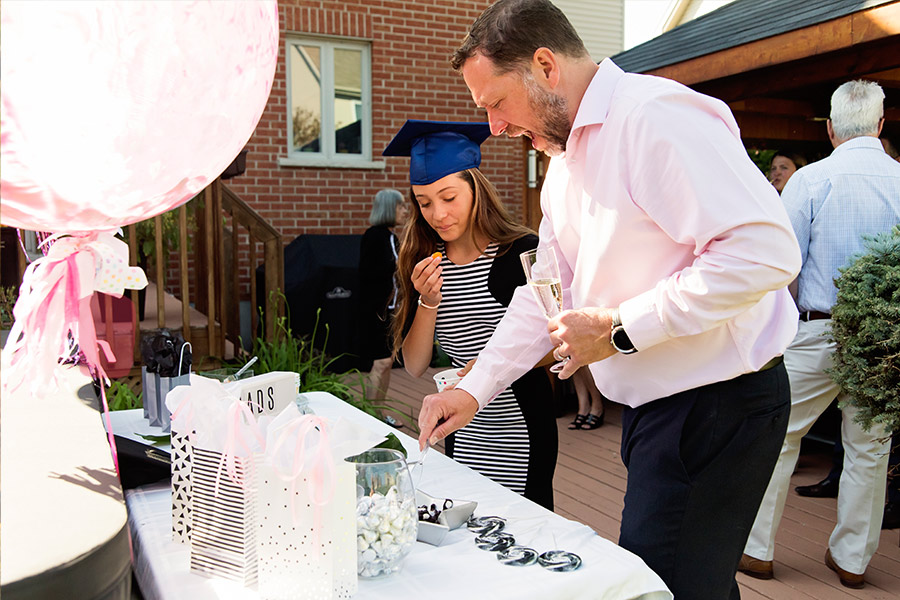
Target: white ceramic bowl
(432,533)
(449,519)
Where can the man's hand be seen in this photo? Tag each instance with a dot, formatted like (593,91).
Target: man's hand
(444,413)
(583,336)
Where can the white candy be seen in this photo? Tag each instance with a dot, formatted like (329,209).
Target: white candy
(386,528)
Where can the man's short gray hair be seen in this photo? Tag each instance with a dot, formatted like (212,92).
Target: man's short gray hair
(856,109)
(384,208)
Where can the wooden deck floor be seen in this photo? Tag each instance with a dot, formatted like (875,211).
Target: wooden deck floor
(590,485)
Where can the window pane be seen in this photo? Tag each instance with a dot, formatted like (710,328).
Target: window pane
(348,101)
(306,97)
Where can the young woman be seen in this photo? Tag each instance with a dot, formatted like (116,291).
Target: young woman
(458,266)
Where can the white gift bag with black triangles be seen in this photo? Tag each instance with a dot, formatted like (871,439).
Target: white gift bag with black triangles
(181,487)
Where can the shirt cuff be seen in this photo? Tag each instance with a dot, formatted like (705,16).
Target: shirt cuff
(641,322)
(480,386)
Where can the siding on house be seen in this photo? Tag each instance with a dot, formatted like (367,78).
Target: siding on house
(599,23)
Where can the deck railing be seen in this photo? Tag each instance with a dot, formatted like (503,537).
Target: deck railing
(214,266)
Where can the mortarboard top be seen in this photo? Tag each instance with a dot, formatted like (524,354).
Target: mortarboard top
(438,148)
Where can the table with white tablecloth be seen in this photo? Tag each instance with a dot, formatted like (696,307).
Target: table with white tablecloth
(456,569)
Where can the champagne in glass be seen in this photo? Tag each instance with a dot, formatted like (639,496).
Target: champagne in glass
(542,274)
(548,293)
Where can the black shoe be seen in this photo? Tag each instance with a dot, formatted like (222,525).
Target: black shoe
(578,423)
(891,516)
(827,488)
(593,421)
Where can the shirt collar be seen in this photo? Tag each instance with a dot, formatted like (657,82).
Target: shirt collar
(595,104)
(863,141)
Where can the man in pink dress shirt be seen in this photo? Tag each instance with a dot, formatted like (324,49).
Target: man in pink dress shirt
(675,253)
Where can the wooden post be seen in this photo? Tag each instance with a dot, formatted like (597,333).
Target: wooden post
(273,250)
(160,273)
(234,314)
(183,266)
(220,265)
(254,314)
(135,299)
(210,271)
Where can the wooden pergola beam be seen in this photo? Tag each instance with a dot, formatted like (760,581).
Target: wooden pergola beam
(775,106)
(831,36)
(838,66)
(756,126)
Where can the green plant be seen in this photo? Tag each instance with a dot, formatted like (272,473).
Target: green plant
(8,297)
(866,330)
(299,354)
(146,233)
(761,158)
(121,397)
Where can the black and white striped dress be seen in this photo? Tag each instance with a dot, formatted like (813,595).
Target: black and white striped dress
(513,440)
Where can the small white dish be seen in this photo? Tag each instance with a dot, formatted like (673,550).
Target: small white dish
(449,519)
(432,533)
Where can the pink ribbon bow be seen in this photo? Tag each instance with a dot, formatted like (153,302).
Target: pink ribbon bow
(53,312)
(320,478)
(236,439)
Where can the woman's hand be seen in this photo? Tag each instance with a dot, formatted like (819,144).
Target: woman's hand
(426,278)
(465,370)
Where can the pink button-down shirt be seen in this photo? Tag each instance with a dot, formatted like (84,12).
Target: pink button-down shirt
(656,208)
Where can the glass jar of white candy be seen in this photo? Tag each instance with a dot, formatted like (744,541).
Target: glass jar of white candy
(386,518)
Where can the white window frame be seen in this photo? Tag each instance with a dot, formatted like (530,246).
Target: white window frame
(327,156)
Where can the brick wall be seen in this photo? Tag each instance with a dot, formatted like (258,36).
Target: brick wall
(411,78)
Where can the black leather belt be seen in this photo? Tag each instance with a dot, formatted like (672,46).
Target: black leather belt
(813,315)
(772,363)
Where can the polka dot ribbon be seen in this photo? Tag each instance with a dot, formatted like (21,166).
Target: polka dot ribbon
(53,312)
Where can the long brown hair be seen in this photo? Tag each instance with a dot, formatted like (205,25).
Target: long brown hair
(488,217)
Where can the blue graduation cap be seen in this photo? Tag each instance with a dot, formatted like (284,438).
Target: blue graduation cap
(438,148)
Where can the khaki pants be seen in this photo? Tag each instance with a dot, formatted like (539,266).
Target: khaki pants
(862,486)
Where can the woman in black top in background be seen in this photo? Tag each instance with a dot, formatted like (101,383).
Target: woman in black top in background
(378,287)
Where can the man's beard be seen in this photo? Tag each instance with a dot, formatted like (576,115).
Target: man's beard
(554,110)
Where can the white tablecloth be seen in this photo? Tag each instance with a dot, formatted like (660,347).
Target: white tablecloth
(456,569)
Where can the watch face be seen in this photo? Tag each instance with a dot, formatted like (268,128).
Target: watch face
(621,341)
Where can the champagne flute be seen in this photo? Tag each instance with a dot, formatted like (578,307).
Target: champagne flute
(542,274)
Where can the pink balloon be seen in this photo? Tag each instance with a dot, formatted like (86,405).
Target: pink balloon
(113,112)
